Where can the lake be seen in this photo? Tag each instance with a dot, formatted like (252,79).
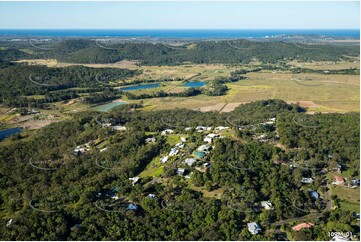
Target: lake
(194,84)
(140,87)
(7,132)
(107,107)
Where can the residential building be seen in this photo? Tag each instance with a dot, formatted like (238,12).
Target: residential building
(164,159)
(190,161)
(167,131)
(180,171)
(306,180)
(298,227)
(314,194)
(339,180)
(134,179)
(267,205)
(254,228)
(150,140)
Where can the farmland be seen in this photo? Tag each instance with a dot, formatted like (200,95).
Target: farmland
(327,92)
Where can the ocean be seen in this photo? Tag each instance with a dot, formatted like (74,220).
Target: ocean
(181,33)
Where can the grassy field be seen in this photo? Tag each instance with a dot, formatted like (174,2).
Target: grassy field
(153,169)
(350,207)
(329,93)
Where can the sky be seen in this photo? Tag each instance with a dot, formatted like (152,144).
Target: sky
(180,15)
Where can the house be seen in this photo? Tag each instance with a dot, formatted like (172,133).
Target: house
(134,179)
(203,148)
(81,149)
(180,145)
(167,131)
(338,180)
(190,161)
(164,159)
(338,168)
(187,128)
(306,180)
(183,139)
(219,128)
(298,227)
(203,128)
(151,195)
(200,154)
(271,121)
(206,165)
(104,149)
(267,205)
(355,182)
(118,128)
(254,228)
(112,193)
(180,171)
(132,206)
(173,152)
(150,140)
(106,125)
(9,223)
(314,194)
(208,139)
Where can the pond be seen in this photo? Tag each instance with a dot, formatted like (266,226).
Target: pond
(106,107)
(140,87)
(194,84)
(7,132)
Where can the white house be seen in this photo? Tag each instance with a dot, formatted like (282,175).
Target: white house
(208,139)
(183,139)
(180,171)
(9,223)
(173,152)
(180,145)
(119,128)
(150,140)
(306,180)
(134,179)
(203,148)
(151,196)
(219,128)
(190,161)
(164,159)
(254,228)
(167,131)
(267,205)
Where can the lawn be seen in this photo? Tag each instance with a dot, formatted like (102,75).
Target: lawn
(153,169)
(350,207)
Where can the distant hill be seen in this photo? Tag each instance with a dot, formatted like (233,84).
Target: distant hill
(229,52)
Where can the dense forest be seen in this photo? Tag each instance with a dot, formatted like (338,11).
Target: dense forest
(57,84)
(51,194)
(229,52)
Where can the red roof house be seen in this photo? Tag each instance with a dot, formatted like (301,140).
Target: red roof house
(298,227)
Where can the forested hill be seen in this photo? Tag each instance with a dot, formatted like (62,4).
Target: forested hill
(18,80)
(230,52)
(51,194)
